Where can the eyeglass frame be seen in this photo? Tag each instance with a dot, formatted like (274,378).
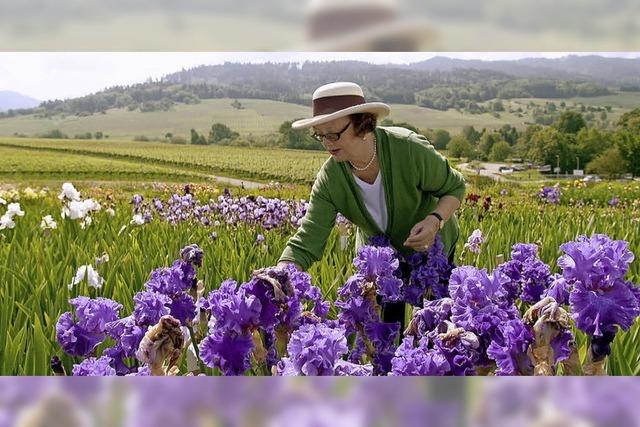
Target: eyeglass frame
(320,137)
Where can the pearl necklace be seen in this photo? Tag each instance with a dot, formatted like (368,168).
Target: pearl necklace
(370,161)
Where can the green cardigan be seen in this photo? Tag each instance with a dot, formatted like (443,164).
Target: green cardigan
(414,176)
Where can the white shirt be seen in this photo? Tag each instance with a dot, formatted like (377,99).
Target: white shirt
(374,200)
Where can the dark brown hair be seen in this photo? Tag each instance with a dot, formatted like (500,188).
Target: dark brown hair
(363,123)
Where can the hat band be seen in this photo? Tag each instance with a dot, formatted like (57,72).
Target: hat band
(331,104)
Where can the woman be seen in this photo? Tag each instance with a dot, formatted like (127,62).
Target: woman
(385,180)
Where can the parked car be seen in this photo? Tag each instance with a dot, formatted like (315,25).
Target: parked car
(591,178)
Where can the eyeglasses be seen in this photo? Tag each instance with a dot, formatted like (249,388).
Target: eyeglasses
(332,136)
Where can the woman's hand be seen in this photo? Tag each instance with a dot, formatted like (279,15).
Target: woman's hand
(423,234)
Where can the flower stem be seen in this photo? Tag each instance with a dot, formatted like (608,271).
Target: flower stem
(195,348)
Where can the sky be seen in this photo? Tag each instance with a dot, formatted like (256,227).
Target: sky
(62,75)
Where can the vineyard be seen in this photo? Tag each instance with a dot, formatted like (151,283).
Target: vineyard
(256,164)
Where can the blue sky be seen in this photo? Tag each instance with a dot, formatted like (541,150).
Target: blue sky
(51,75)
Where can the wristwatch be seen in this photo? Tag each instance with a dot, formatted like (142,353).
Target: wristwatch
(437,215)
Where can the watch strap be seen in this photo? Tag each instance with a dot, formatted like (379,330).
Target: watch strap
(440,219)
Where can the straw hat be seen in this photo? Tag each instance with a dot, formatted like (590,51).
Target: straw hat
(339,99)
(364,25)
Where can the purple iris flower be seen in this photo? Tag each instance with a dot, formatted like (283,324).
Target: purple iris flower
(127,333)
(550,195)
(509,348)
(600,299)
(373,262)
(410,360)
(595,260)
(314,350)
(228,351)
(172,280)
(559,289)
(149,307)
(74,339)
(92,367)
(81,337)
(233,309)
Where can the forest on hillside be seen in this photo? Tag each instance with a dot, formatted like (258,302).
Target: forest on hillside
(460,88)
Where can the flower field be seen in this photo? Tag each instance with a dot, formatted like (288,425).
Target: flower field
(125,280)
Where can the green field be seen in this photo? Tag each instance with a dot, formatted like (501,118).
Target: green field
(620,103)
(258,117)
(261,117)
(21,164)
(258,164)
(452,120)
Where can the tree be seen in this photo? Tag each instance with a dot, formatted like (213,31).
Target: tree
(498,106)
(509,134)
(197,139)
(523,144)
(500,151)
(98,135)
(628,144)
(630,120)
(219,132)
(460,147)
(440,139)
(86,135)
(301,139)
(549,146)
(570,122)
(590,142)
(487,140)
(470,134)
(609,164)
(54,134)
(168,135)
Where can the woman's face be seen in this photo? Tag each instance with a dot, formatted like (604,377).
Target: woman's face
(343,148)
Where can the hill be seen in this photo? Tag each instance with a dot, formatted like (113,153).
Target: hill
(260,117)
(603,70)
(12,100)
(450,87)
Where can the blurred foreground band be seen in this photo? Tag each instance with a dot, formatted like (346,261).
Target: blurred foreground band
(319,402)
(319,25)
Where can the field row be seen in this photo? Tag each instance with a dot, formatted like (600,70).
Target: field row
(259,164)
(21,164)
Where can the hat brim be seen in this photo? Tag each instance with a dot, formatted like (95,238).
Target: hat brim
(418,30)
(379,109)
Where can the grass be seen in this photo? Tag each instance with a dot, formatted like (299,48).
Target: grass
(452,120)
